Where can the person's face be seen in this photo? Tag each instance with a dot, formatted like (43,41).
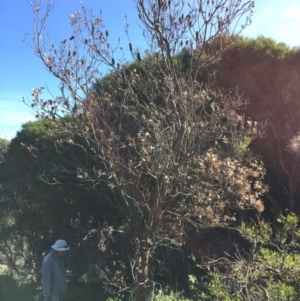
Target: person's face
(60,253)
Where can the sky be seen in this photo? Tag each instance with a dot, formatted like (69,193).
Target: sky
(21,70)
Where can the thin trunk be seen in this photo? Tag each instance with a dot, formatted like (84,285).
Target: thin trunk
(142,290)
(143,242)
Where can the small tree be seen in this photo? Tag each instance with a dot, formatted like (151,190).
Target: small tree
(169,149)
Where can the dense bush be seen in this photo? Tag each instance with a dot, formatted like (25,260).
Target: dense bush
(267,73)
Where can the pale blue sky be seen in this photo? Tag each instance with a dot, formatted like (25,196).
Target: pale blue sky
(21,70)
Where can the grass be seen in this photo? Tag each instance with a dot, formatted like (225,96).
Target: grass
(11,291)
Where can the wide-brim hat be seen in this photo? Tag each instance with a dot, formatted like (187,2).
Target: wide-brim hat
(60,245)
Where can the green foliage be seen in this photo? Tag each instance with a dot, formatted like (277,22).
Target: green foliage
(168,295)
(256,233)
(4,144)
(261,47)
(290,226)
(217,291)
(271,270)
(254,66)
(243,145)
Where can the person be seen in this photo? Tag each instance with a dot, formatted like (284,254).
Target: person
(54,284)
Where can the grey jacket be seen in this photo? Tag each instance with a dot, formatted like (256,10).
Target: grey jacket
(53,275)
